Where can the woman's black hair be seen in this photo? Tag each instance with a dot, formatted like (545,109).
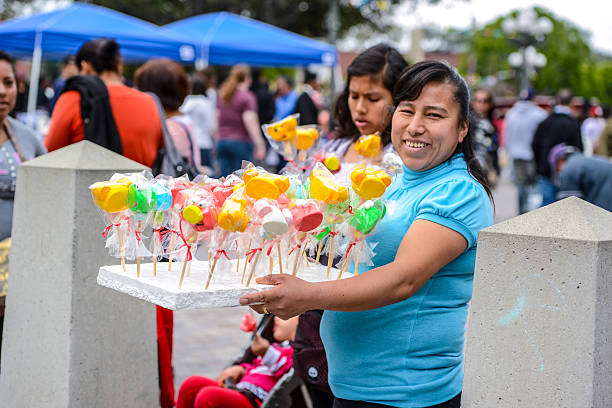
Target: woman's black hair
(380,60)
(102,54)
(5,56)
(411,84)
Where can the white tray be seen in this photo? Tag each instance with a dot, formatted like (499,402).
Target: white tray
(224,290)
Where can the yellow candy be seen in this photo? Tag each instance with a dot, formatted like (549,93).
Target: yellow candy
(305,138)
(233,216)
(368,145)
(111,196)
(327,190)
(332,163)
(283,130)
(192,214)
(264,185)
(369,183)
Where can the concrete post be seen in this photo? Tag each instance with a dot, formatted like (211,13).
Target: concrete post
(67,341)
(540,324)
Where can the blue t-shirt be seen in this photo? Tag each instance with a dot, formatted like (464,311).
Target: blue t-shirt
(410,354)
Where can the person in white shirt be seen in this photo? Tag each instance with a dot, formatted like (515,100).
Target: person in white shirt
(199,108)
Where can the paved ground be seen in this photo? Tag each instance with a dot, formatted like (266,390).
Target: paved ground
(205,341)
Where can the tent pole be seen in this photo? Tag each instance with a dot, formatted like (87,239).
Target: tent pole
(34,78)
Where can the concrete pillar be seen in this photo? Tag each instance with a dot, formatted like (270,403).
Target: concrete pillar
(67,341)
(540,323)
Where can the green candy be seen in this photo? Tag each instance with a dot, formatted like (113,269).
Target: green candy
(141,199)
(322,234)
(366,218)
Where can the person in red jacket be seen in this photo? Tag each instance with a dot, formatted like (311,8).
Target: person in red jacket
(135,116)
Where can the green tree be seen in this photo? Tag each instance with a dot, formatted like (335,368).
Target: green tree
(570,61)
(303,17)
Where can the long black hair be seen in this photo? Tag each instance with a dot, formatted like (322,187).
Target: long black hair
(409,87)
(379,61)
(102,54)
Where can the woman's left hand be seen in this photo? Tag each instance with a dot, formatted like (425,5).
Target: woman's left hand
(289,297)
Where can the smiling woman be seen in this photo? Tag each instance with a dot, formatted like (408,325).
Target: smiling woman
(394,334)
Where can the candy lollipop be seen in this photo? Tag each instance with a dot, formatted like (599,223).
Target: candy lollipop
(363,222)
(232,217)
(112,198)
(176,186)
(368,145)
(369,183)
(261,184)
(282,133)
(305,139)
(274,224)
(323,187)
(141,202)
(307,216)
(163,203)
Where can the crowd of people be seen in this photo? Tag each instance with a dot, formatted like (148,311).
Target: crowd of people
(449,144)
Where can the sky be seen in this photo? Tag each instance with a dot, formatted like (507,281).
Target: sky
(593,16)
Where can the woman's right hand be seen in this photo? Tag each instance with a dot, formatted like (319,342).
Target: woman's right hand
(234,372)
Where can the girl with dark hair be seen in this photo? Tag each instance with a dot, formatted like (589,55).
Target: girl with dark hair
(365,105)
(394,334)
(97,106)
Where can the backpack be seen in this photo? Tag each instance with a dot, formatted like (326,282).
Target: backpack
(169,161)
(309,359)
(98,121)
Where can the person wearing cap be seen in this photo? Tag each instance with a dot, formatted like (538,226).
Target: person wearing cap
(522,120)
(575,174)
(559,127)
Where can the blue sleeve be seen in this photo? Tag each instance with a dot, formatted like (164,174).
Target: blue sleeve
(461,205)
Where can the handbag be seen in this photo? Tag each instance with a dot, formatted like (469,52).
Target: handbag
(169,161)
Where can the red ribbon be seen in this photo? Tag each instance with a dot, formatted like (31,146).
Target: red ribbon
(108,228)
(350,210)
(236,250)
(137,233)
(252,253)
(333,233)
(270,250)
(188,257)
(348,250)
(298,246)
(221,252)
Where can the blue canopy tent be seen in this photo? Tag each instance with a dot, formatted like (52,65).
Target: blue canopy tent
(61,32)
(226,39)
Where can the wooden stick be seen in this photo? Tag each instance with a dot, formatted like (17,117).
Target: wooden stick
(280,259)
(357,257)
(121,248)
(306,259)
(238,264)
(253,267)
(154,255)
(271,264)
(245,263)
(210,273)
(189,269)
(298,256)
(138,228)
(170,250)
(330,259)
(319,250)
(183,271)
(343,269)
